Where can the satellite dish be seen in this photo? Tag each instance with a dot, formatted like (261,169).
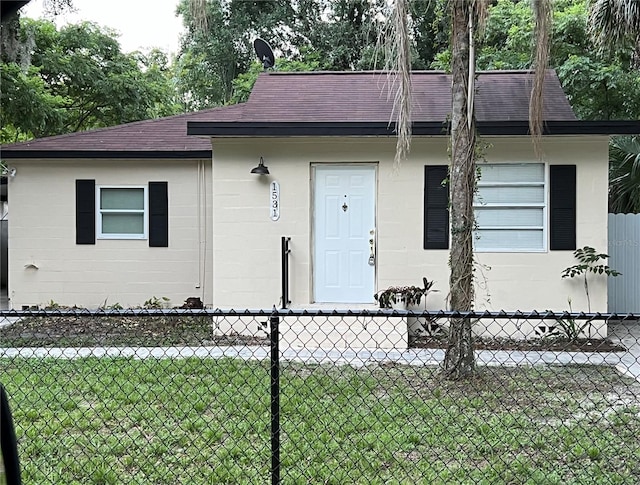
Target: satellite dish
(264,53)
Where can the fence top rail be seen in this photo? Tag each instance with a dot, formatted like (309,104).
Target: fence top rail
(274,312)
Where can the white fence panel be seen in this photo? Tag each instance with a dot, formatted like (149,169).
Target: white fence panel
(624,256)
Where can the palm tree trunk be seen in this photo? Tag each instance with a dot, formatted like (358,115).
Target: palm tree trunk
(459,359)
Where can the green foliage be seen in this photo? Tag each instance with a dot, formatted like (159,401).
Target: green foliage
(28,107)
(210,60)
(345,34)
(52,305)
(588,262)
(570,328)
(77,78)
(216,67)
(616,24)
(601,89)
(624,174)
(110,306)
(599,85)
(156,303)
(508,34)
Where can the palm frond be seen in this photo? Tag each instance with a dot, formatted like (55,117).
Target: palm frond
(615,22)
(396,46)
(542,37)
(624,174)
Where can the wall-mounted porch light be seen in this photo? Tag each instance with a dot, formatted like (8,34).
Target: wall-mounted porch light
(260,169)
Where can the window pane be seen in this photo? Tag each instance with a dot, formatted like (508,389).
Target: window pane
(123,224)
(510,195)
(512,172)
(509,217)
(508,239)
(120,198)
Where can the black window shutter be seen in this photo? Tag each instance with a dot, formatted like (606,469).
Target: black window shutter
(158,215)
(436,207)
(85,211)
(562,207)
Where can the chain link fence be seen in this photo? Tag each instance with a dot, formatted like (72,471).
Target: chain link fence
(311,397)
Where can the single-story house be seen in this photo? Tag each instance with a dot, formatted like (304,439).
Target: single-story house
(175,207)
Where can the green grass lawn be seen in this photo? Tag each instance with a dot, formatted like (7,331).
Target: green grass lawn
(108,421)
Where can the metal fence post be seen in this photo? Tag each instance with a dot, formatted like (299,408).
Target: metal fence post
(274,321)
(284,257)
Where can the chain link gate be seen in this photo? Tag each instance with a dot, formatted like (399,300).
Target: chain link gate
(290,396)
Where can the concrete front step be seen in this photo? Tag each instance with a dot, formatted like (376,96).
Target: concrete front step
(344,332)
(326,332)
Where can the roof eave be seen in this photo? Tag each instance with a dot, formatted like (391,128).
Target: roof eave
(112,154)
(494,128)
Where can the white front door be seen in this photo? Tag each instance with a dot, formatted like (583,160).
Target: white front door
(344,233)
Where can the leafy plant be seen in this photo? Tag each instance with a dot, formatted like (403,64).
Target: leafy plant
(589,262)
(570,328)
(624,174)
(52,305)
(113,306)
(410,295)
(156,303)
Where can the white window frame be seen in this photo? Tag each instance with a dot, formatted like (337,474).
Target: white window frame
(145,211)
(544,206)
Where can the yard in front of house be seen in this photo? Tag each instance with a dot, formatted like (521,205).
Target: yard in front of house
(117,420)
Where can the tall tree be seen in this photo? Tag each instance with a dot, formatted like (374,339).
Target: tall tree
(10,45)
(217,45)
(466,16)
(459,358)
(77,78)
(343,33)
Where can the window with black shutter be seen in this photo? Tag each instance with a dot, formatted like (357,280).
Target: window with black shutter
(562,207)
(85,211)
(158,214)
(122,212)
(436,207)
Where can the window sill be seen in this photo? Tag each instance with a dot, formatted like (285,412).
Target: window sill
(534,251)
(122,237)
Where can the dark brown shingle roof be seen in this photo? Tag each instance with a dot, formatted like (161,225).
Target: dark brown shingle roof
(316,103)
(361,104)
(165,135)
(365,97)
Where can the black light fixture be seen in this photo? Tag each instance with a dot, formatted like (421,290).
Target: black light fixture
(260,169)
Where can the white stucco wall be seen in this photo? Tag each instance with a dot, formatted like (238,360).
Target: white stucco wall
(127,272)
(246,248)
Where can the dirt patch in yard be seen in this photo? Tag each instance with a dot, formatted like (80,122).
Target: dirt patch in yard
(197,330)
(88,331)
(557,344)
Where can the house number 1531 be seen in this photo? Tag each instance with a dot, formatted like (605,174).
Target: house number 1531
(274,202)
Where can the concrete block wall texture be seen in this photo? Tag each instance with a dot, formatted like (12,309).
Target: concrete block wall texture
(246,250)
(228,252)
(47,265)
